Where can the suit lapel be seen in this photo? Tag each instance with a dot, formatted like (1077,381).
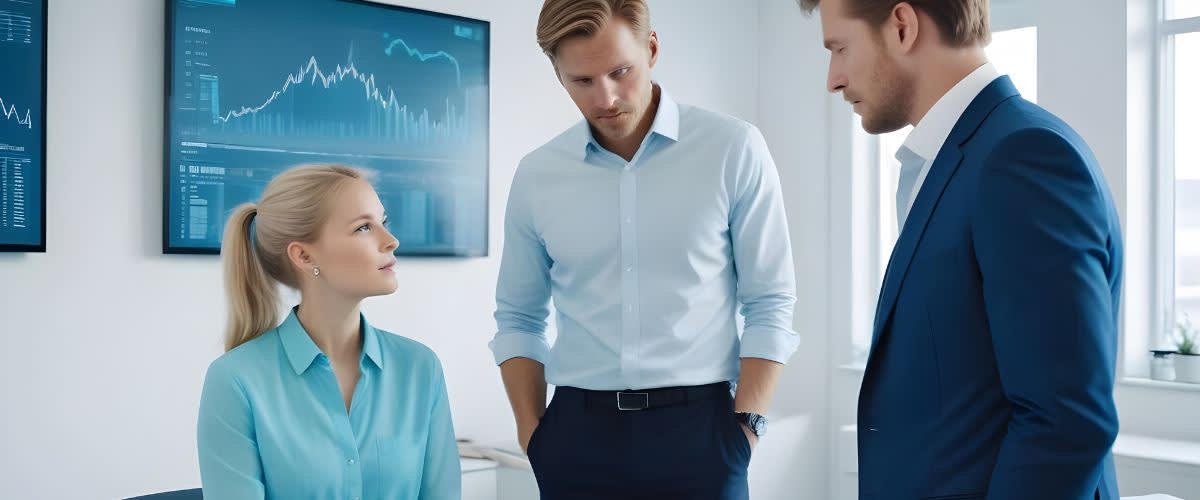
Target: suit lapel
(943,169)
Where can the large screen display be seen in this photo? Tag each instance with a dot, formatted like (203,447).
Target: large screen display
(257,86)
(23,125)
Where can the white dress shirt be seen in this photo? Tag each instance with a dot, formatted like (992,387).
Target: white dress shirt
(928,136)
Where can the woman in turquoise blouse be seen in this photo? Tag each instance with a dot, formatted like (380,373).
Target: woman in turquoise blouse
(323,405)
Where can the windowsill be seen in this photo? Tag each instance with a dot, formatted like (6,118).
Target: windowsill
(1159,384)
(1156,449)
(858,368)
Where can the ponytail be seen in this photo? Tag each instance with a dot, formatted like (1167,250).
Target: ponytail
(253,298)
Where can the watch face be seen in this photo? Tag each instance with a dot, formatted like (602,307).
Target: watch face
(760,426)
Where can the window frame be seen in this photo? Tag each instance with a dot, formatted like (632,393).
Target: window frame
(1164,298)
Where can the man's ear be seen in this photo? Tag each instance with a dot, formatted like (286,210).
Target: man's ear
(902,27)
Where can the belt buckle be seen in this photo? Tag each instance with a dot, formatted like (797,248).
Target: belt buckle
(633,401)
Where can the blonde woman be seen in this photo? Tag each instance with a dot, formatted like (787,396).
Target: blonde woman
(322,405)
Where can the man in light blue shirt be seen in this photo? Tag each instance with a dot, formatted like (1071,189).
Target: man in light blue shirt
(649,224)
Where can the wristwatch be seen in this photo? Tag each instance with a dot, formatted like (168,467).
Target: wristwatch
(757,423)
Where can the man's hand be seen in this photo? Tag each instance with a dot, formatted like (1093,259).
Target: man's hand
(525,432)
(750,436)
(754,390)
(525,382)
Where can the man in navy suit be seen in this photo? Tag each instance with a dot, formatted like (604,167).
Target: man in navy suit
(992,363)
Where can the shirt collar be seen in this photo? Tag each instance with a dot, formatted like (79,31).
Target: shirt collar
(927,137)
(302,351)
(666,123)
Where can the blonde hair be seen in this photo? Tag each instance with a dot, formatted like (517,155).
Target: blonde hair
(563,19)
(293,208)
(963,23)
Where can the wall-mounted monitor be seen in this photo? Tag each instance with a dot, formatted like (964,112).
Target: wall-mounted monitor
(257,86)
(22,125)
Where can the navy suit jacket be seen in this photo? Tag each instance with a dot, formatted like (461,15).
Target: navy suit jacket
(992,363)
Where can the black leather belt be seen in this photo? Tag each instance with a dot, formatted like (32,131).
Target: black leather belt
(634,400)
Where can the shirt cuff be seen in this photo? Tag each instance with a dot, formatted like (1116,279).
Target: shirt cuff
(772,344)
(519,345)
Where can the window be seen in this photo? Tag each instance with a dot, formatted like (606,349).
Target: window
(1183,9)
(1179,165)
(1013,52)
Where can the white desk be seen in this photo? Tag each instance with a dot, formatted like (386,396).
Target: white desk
(479,479)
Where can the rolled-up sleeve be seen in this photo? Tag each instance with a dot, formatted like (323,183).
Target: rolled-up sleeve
(523,287)
(762,252)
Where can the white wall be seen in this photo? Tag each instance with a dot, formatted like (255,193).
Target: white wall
(106,340)
(792,114)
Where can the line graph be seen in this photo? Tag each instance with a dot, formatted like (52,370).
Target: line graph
(313,73)
(423,57)
(10,113)
(387,117)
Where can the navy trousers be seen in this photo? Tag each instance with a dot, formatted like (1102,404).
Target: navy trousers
(585,448)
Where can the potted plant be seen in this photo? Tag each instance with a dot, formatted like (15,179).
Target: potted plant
(1187,361)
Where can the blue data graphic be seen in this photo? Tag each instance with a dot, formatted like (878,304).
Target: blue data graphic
(16,117)
(22,127)
(257,86)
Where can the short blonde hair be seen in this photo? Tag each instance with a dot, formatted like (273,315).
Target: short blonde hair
(294,206)
(963,23)
(563,19)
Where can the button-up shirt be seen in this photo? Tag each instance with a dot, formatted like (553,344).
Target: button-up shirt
(273,422)
(648,261)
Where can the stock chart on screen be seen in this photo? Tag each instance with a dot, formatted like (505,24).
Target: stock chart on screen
(22,125)
(257,86)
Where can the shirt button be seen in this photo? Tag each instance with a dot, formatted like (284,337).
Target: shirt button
(351,461)
(629,269)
